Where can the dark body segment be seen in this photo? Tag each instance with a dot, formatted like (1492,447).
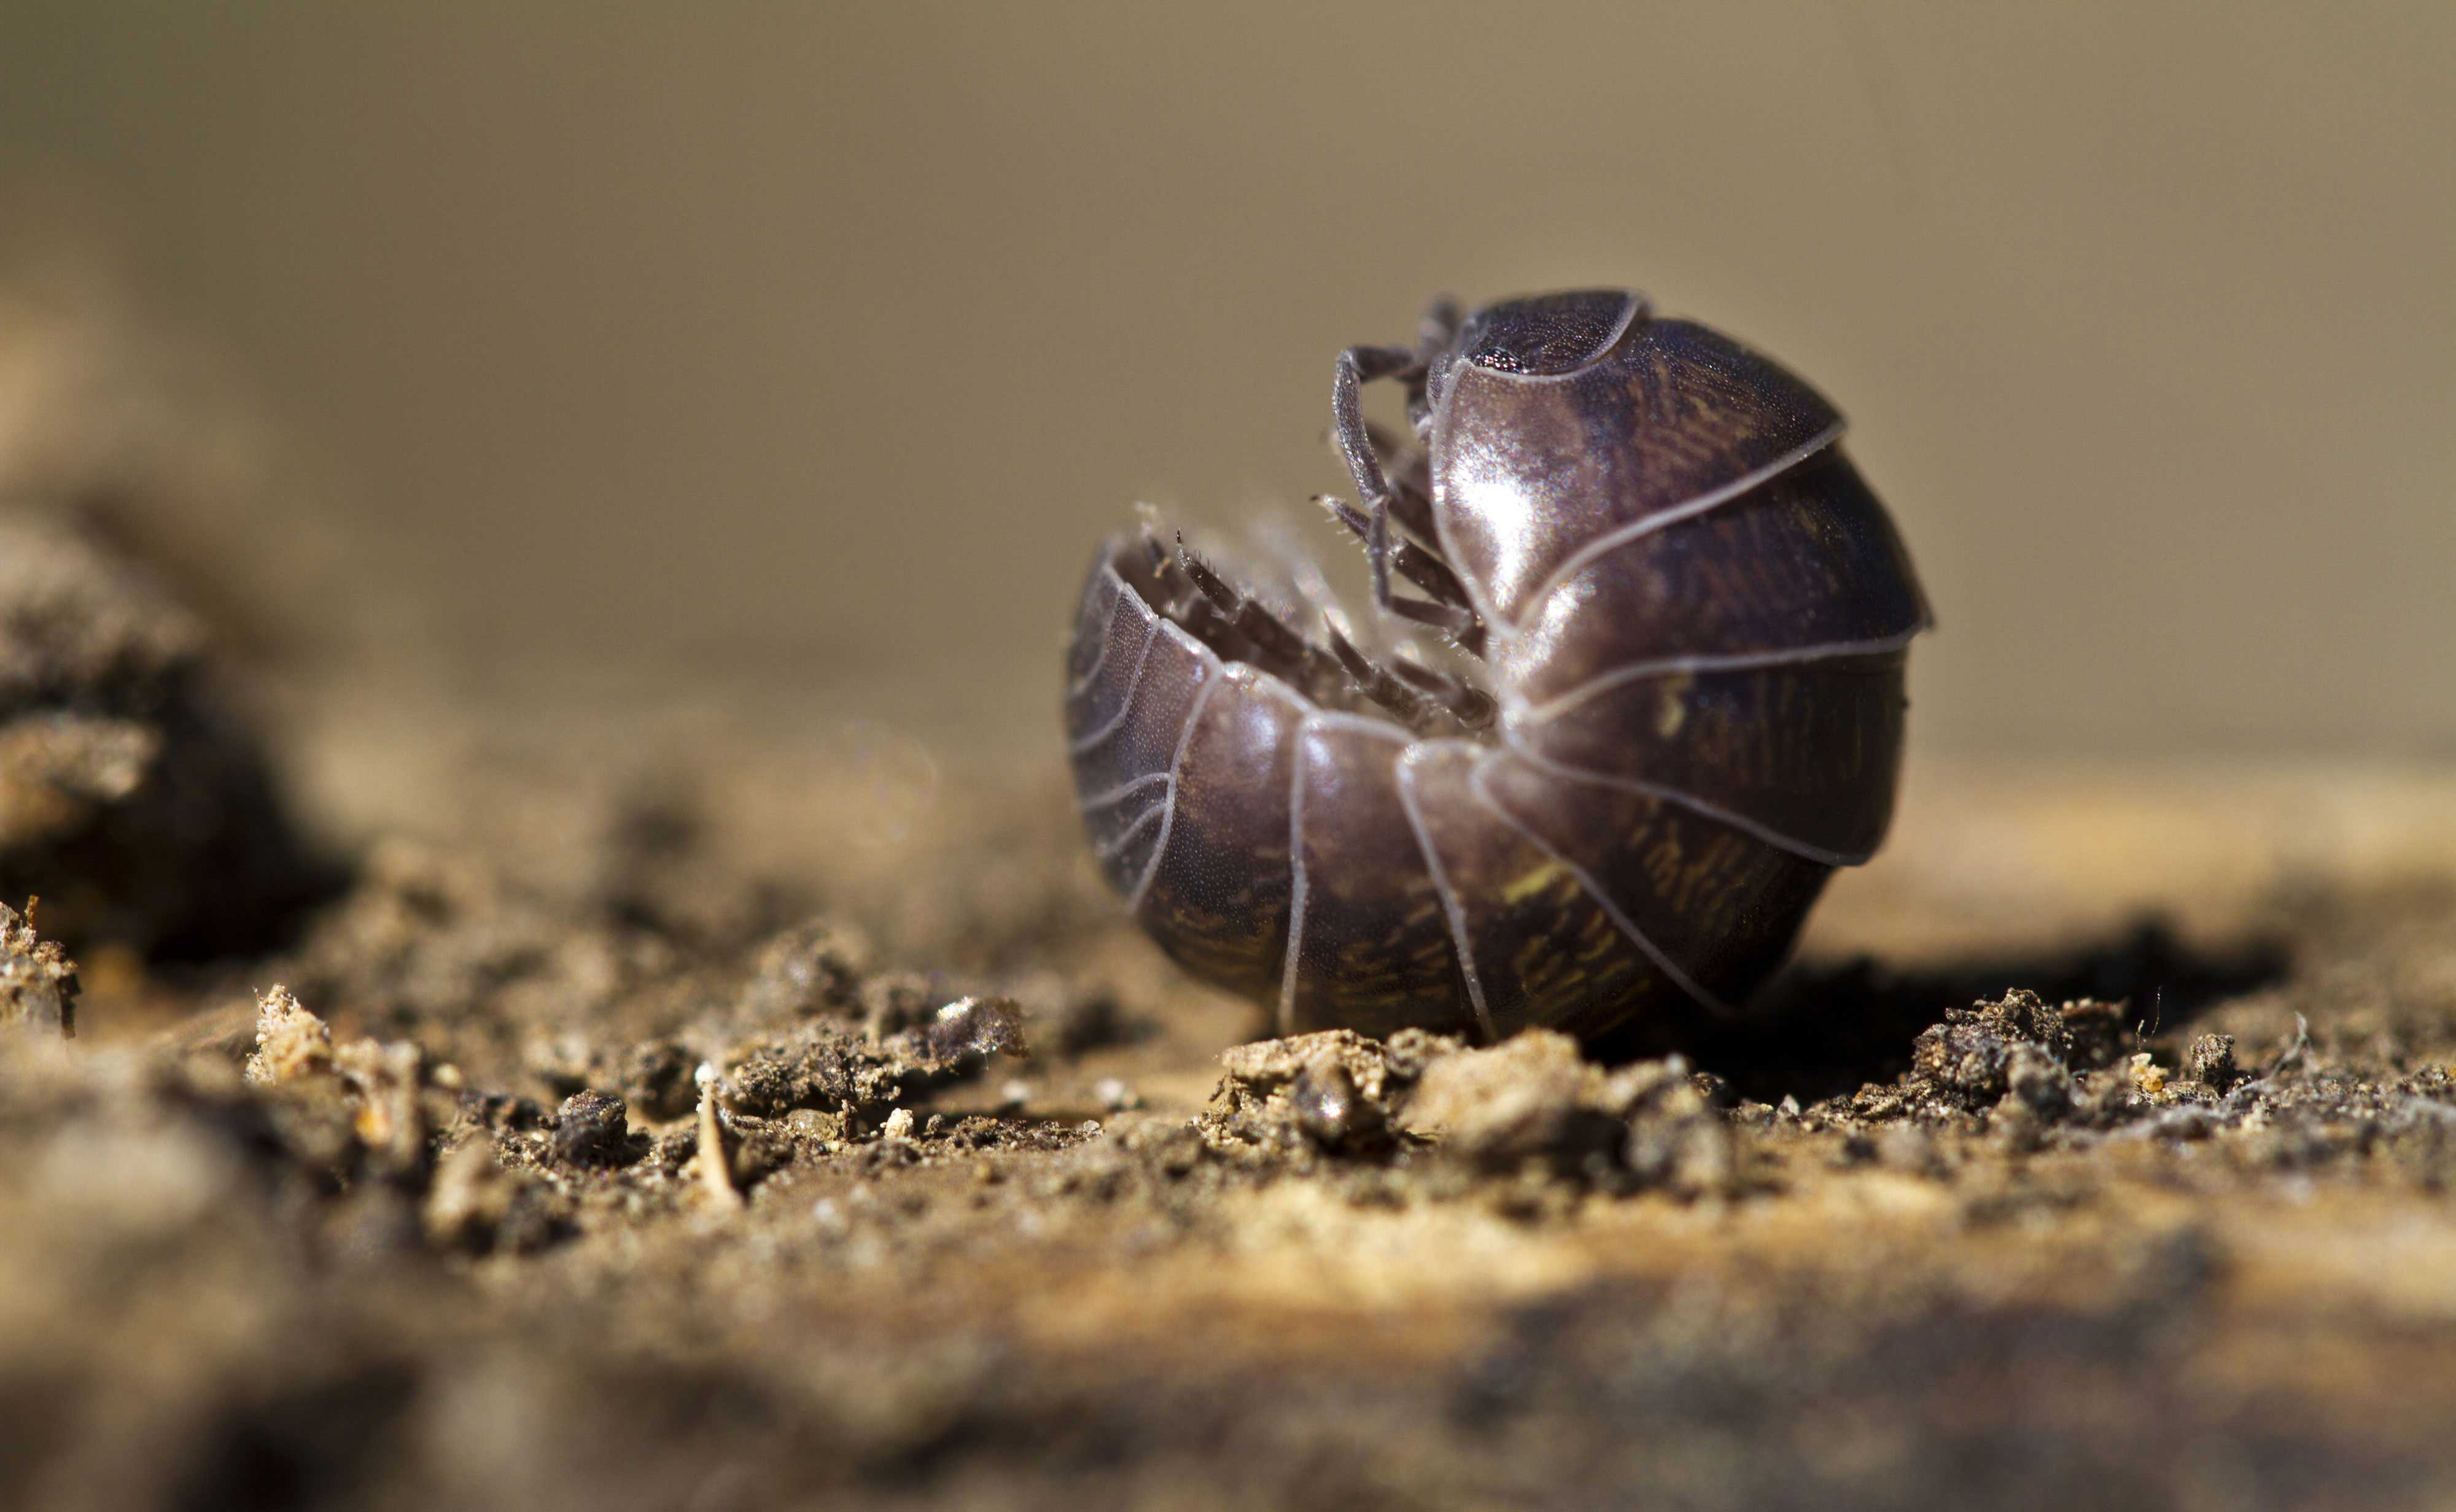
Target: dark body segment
(1716,909)
(1104,660)
(1804,561)
(1087,650)
(1544,951)
(1806,755)
(1127,729)
(1371,946)
(1217,900)
(1529,471)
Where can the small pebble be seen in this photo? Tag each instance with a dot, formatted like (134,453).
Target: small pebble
(591,1129)
(1329,1109)
(2147,1074)
(1116,1095)
(2212,1062)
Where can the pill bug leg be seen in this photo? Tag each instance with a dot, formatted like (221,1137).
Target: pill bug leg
(1377,683)
(1245,629)
(1471,706)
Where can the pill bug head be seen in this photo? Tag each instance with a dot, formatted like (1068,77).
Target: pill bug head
(1541,336)
(1630,688)
(1547,334)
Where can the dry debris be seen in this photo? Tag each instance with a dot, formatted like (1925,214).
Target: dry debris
(591,1129)
(478,1206)
(289,1041)
(1530,1105)
(130,794)
(38,983)
(1335,1091)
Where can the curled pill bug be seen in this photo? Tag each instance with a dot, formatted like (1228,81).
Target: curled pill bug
(1630,690)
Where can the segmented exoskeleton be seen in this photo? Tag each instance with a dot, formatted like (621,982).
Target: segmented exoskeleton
(1691,618)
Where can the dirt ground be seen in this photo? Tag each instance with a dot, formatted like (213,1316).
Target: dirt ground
(705,1097)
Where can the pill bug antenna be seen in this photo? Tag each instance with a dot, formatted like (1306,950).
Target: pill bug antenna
(1377,550)
(1411,500)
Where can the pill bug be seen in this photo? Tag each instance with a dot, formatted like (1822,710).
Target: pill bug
(1645,695)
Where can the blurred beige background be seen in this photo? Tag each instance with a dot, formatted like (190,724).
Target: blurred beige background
(814,346)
